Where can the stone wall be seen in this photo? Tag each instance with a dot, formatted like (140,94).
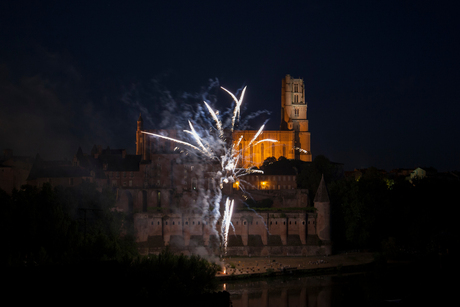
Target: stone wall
(257,234)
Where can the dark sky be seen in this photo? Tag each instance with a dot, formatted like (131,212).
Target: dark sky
(382,77)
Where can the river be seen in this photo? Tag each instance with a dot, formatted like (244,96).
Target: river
(384,288)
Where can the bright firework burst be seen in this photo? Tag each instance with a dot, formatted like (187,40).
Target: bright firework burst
(228,155)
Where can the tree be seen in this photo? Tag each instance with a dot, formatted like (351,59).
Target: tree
(311,173)
(62,225)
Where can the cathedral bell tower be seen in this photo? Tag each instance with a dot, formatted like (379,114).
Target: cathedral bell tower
(294,115)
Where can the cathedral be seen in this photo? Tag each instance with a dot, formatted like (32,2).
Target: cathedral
(293,137)
(294,229)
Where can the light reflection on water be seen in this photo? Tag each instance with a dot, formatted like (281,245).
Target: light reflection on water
(295,291)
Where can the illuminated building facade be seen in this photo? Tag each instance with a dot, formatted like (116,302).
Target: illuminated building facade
(293,137)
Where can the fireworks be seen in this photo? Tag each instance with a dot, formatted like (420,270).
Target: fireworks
(228,155)
(226,223)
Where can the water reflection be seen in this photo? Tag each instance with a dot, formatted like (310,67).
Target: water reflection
(300,291)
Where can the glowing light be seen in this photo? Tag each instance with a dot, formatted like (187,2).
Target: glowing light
(300,149)
(226,223)
(171,139)
(257,135)
(229,160)
(236,111)
(265,140)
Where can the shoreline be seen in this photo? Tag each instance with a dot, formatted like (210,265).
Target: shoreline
(256,267)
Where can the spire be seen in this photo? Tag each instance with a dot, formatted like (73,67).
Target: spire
(140,118)
(322,196)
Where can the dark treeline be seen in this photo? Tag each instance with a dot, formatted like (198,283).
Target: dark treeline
(71,243)
(63,226)
(390,215)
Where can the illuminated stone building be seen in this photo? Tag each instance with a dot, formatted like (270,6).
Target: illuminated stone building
(291,232)
(169,194)
(293,137)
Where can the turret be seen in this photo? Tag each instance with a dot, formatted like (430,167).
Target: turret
(323,220)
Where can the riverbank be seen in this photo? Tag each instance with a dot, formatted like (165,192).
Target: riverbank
(250,267)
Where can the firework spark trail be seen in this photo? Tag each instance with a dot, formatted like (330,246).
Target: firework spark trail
(265,140)
(171,139)
(236,111)
(229,160)
(216,119)
(197,138)
(300,149)
(257,135)
(226,223)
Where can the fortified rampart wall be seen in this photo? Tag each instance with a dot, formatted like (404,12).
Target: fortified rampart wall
(287,233)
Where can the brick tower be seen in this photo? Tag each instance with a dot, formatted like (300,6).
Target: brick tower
(294,115)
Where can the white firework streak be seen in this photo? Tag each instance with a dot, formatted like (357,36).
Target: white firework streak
(236,111)
(300,149)
(257,135)
(197,138)
(266,140)
(226,223)
(238,143)
(171,139)
(216,119)
(229,161)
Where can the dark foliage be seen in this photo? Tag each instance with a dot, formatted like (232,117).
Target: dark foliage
(62,225)
(394,217)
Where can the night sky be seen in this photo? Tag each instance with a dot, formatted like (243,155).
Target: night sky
(382,77)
